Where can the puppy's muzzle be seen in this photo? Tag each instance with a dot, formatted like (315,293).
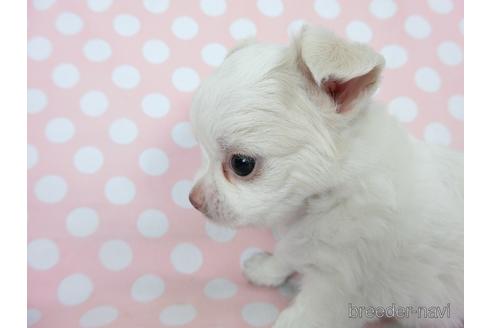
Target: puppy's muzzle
(197,198)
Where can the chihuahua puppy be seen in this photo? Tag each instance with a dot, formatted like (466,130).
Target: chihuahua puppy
(372,218)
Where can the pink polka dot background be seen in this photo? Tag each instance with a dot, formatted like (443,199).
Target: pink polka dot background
(113,240)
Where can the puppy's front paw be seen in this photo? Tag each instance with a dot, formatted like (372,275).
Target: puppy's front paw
(263,269)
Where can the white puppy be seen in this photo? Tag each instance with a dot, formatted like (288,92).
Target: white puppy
(373,218)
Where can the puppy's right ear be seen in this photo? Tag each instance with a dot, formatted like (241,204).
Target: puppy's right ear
(348,72)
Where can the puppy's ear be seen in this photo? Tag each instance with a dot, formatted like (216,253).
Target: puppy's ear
(348,72)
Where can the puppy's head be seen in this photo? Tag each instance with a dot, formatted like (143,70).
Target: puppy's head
(270,122)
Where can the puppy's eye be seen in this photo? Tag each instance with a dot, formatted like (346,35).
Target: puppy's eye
(242,165)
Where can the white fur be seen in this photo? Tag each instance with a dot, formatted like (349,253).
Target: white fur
(371,216)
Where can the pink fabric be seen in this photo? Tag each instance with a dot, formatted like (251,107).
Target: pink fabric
(84,263)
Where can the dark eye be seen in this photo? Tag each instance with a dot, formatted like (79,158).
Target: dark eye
(242,165)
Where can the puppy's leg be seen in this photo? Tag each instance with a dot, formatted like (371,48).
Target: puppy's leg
(319,304)
(306,315)
(265,269)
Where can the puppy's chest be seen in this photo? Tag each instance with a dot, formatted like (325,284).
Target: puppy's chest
(304,247)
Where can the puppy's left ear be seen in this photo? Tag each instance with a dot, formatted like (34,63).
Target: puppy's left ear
(348,72)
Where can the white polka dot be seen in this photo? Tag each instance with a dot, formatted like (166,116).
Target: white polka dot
(123,131)
(42,254)
(42,4)
(155,51)
(155,105)
(82,222)
(359,31)
(39,48)
(403,108)
(147,288)
(461,26)
(259,314)
(65,76)
(456,106)
(294,27)
(220,289)
(75,289)
(180,193)
(383,9)
(185,79)
(126,25)
(152,223)
(185,27)
(33,316)
(394,55)
(218,233)
(247,253)
(36,100)
(126,77)
(213,54)
(437,133)
(88,160)
(94,103)
(177,315)
(69,24)
(51,189)
(99,5)
(450,53)
(271,8)
(427,79)
(115,255)
(98,317)
(120,190)
(186,258)
(213,7)
(156,6)
(59,130)
(417,27)
(242,28)
(32,156)
(153,161)
(97,50)
(441,6)
(182,135)
(327,8)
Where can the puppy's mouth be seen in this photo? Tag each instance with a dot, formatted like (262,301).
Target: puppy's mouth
(217,217)
(219,220)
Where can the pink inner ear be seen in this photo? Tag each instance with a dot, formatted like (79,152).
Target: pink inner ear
(344,93)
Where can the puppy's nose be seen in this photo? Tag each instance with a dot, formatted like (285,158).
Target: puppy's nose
(196,197)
